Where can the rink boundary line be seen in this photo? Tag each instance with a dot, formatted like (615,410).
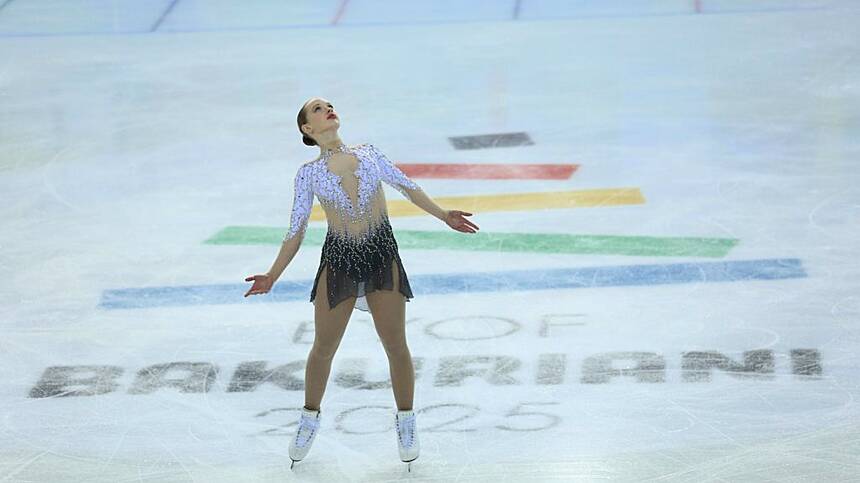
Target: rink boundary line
(274,28)
(462,283)
(502,242)
(163,16)
(339,14)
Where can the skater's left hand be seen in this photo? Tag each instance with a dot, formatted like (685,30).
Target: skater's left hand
(456,220)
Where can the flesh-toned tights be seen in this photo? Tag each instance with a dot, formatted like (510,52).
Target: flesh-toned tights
(388,309)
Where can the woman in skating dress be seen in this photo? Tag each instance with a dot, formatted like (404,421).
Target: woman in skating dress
(360,265)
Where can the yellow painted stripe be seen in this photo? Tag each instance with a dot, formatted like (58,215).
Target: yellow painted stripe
(516,202)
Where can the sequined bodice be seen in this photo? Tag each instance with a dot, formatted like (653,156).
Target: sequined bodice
(353,203)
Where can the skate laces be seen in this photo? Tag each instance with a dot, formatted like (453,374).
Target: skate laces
(307,426)
(406,430)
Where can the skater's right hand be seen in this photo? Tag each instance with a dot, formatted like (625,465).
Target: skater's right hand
(262,284)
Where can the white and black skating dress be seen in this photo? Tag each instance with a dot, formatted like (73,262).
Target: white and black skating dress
(359,247)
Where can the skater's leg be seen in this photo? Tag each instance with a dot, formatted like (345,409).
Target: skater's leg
(329,327)
(388,308)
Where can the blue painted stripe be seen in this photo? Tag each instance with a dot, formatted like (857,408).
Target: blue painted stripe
(466,282)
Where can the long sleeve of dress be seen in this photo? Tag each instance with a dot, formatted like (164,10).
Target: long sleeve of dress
(391,174)
(303,199)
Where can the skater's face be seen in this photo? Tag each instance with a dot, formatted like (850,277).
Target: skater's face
(320,117)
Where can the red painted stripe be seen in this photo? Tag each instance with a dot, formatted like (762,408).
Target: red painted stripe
(488,171)
(339,13)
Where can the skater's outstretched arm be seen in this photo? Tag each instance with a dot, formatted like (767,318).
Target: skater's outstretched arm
(288,251)
(303,198)
(392,175)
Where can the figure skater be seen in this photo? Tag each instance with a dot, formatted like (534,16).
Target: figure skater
(360,265)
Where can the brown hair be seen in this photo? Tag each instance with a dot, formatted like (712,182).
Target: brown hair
(302,119)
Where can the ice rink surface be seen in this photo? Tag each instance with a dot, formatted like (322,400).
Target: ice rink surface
(697,319)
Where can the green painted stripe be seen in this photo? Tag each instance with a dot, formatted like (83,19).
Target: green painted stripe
(504,242)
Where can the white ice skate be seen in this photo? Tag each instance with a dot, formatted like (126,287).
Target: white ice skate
(305,434)
(407,436)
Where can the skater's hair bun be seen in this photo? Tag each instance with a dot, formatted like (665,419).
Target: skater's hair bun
(303,119)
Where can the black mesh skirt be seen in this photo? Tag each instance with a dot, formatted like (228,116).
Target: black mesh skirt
(359,265)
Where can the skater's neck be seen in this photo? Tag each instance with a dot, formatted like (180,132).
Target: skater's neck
(331,144)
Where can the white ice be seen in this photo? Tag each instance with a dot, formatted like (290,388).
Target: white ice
(132,131)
